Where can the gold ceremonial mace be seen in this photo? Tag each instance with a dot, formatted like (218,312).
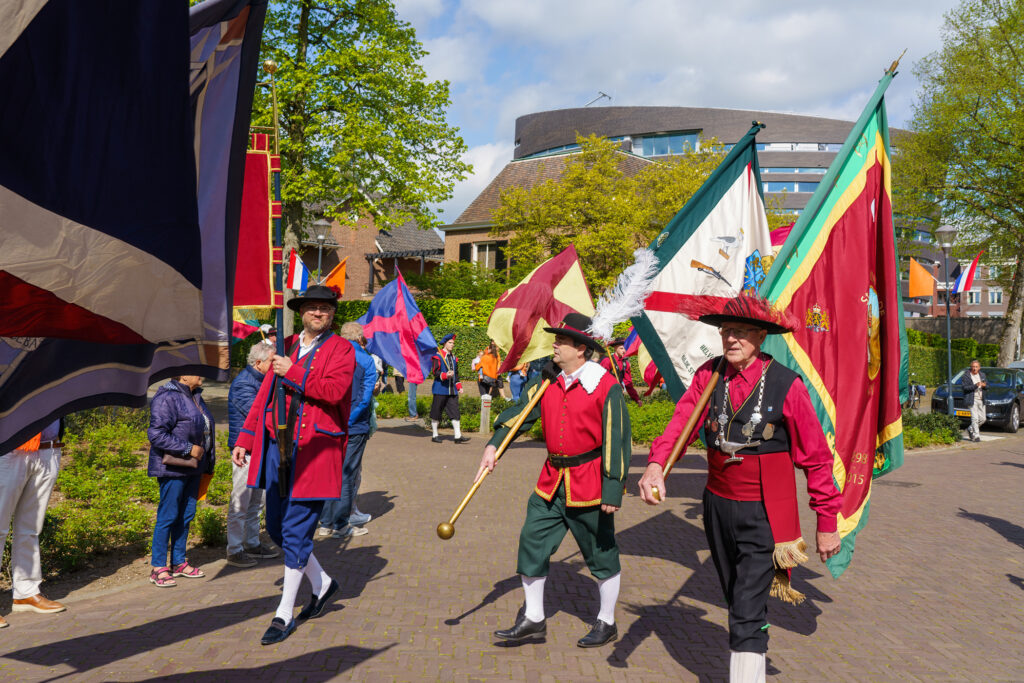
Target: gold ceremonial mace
(684,436)
(446,530)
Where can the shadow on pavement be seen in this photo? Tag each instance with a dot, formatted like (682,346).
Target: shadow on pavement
(376,503)
(103,648)
(704,656)
(500,588)
(353,568)
(1011,464)
(1008,530)
(1016,581)
(341,657)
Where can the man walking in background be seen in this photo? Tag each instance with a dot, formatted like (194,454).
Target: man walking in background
(974,385)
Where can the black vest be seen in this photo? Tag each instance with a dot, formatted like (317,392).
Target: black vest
(777,381)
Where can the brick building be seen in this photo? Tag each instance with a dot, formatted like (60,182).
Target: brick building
(374,254)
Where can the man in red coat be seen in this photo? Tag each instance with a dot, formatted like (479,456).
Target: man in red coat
(317,377)
(759,424)
(623,371)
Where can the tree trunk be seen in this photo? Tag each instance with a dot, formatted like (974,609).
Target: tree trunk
(1012,321)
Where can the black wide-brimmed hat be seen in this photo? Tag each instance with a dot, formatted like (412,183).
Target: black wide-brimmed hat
(314,293)
(574,326)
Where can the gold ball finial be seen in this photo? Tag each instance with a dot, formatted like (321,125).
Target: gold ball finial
(445,530)
(270,66)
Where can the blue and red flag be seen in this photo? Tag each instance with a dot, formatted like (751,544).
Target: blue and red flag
(298,274)
(396,331)
(963,281)
(123,134)
(632,343)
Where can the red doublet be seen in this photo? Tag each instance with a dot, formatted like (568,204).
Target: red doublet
(321,426)
(572,426)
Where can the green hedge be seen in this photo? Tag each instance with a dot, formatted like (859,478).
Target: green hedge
(928,364)
(925,429)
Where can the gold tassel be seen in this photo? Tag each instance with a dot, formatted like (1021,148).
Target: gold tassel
(782,589)
(785,557)
(790,554)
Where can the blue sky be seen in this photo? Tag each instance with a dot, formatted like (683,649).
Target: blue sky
(507,58)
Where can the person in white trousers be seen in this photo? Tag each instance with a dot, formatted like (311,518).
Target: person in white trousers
(27,477)
(243,526)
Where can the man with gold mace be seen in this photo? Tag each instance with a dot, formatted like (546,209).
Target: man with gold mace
(588,437)
(758,424)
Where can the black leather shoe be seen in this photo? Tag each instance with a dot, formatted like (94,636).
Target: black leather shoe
(316,605)
(278,631)
(462,439)
(600,634)
(524,628)
(435,439)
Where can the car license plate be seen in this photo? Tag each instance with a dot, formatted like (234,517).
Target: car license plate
(963,413)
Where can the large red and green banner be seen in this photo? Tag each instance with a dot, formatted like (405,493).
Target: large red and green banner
(838,274)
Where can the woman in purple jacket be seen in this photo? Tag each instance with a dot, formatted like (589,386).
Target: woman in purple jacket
(181,449)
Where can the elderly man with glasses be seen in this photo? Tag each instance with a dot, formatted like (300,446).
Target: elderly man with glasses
(759,424)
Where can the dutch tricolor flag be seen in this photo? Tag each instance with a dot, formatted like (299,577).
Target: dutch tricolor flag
(966,278)
(298,276)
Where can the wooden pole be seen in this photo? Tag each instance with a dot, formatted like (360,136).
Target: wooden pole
(446,530)
(684,436)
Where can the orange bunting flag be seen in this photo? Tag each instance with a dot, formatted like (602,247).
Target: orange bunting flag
(922,283)
(554,289)
(336,278)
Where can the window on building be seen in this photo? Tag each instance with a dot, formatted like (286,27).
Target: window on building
(814,170)
(973,297)
(995,297)
(790,186)
(670,143)
(993,272)
(466,252)
(490,254)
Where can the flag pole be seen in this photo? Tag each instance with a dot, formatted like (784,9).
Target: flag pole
(446,530)
(684,436)
(283,437)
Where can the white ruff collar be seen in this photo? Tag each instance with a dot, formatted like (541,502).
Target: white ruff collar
(590,376)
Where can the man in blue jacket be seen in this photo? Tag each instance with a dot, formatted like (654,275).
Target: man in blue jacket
(244,544)
(334,518)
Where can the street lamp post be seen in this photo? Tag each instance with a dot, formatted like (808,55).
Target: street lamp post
(945,234)
(321,228)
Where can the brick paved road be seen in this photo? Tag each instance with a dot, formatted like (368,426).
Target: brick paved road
(936,592)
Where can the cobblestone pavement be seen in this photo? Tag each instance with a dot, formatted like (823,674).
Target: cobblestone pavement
(935,592)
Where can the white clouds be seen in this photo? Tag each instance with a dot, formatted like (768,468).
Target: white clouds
(458,59)
(418,12)
(487,161)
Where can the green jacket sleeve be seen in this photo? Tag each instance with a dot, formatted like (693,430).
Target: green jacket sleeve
(503,423)
(617,448)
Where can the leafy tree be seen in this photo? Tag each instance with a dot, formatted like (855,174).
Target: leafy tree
(362,130)
(460,280)
(596,206)
(964,165)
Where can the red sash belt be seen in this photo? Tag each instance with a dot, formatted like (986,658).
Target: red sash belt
(735,481)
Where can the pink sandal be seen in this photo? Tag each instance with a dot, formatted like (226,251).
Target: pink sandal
(188,571)
(161,577)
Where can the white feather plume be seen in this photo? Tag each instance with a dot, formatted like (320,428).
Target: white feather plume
(625,299)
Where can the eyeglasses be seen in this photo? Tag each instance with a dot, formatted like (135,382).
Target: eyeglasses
(739,332)
(318,308)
